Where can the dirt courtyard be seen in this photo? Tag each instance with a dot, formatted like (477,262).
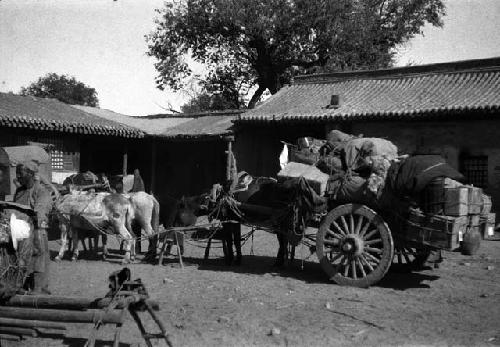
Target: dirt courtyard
(210,304)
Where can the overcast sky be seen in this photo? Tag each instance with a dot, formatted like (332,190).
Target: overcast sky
(101,43)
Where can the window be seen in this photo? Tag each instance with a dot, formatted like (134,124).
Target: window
(475,170)
(57,157)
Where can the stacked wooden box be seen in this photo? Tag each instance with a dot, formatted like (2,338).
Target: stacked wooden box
(464,209)
(435,231)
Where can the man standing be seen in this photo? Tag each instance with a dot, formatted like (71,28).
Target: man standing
(31,193)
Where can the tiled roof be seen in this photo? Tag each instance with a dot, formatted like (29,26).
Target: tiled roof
(409,92)
(51,115)
(148,125)
(202,127)
(176,125)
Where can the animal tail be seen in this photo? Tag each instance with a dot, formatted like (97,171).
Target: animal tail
(155,218)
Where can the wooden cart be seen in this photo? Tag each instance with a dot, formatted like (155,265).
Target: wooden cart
(356,246)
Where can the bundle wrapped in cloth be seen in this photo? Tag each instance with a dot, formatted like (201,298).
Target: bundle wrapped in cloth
(317,180)
(307,150)
(82,202)
(356,167)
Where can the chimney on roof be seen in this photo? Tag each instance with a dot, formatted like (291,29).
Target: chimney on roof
(334,101)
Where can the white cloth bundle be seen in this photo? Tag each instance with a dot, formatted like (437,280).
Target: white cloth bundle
(19,229)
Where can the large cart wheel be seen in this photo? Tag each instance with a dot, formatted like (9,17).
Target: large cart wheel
(354,245)
(408,258)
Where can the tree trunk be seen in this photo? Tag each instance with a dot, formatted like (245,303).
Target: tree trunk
(256,97)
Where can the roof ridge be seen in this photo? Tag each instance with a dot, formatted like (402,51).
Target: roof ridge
(395,77)
(193,114)
(457,67)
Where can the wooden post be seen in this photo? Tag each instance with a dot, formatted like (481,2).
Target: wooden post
(125,160)
(69,303)
(229,160)
(8,337)
(18,331)
(29,323)
(153,167)
(113,317)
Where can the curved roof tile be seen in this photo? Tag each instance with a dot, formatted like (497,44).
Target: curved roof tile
(52,115)
(413,92)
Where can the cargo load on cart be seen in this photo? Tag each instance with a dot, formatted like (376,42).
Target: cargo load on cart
(414,204)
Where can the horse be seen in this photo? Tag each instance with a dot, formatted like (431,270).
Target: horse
(107,212)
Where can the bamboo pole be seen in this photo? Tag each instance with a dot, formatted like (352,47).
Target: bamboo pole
(113,317)
(29,323)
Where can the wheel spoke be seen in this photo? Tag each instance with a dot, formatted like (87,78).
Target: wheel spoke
(341,231)
(331,233)
(400,259)
(353,269)
(367,262)
(360,266)
(407,258)
(373,250)
(346,268)
(351,224)
(372,258)
(359,224)
(370,234)
(344,224)
(331,242)
(338,256)
(371,242)
(365,228)
(341,263)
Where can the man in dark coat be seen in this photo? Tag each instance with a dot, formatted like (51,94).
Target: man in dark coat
(31,193)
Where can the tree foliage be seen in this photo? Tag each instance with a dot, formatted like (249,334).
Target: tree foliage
(264,43)
(222,89)
(63,88)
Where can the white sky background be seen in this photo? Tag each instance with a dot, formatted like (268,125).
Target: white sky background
(101,43)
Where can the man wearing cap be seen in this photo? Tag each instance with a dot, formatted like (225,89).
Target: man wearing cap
(31,193)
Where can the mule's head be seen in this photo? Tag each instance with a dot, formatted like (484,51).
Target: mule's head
(186,211)
(118,213)
(189,208)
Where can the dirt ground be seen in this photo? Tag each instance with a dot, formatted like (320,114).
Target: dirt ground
(210,304)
